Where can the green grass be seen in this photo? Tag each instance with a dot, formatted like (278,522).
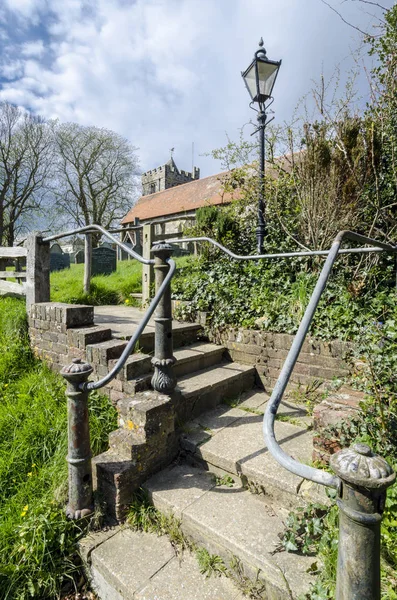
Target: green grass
(37,542)
(67,285)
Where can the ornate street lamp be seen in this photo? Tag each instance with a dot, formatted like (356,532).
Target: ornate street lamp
(260,78)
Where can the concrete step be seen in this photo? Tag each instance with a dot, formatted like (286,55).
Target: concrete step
(230,440)
(190,358)
(127,565)
(197,357)
(203,390)
(182,334)
(234,524)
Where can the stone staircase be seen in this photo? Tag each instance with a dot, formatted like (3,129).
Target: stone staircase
(231,498)
(199,454)
(147,438)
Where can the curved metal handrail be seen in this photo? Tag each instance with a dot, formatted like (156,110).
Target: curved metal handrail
(95,385)
(380,247)
(282,457)
(93,229)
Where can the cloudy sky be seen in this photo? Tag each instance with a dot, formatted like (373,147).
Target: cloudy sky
(166,73)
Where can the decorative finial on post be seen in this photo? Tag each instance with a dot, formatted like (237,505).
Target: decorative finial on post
(365,477)
(80,502)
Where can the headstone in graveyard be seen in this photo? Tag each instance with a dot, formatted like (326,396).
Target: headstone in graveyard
(79,257)
(104,261)
(58,259)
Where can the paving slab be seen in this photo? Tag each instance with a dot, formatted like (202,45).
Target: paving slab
(128,565)
(123,320)
(129,559)
(181,579)
(205,380)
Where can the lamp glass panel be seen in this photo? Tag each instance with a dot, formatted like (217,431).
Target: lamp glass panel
(267,75)
(250,81)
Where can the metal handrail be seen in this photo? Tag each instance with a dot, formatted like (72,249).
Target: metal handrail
(380,247)
(282,457)
(93,229)
(95,385)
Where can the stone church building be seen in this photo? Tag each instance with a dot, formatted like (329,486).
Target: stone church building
(170,198)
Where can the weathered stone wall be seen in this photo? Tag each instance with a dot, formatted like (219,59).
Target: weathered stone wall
(267,352)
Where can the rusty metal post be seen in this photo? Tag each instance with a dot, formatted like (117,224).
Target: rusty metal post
(365,477)
(81,502)
(163,379)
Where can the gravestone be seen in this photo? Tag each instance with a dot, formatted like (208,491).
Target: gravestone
(104,261)
(79,257)
(58,259)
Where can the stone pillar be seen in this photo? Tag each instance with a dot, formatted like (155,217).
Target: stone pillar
(163,380)
(81,502)
(37,270)
(147,270)
(365,477)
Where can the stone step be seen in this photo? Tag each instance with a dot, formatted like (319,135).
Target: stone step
(194,357)
(234,524)
(122,564)
(182,333)
(203,390)
(230,440)
(197,357)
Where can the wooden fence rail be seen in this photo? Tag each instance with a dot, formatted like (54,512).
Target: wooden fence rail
(11,287)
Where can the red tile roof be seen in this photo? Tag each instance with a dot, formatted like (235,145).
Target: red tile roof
(195,194)
(181,198)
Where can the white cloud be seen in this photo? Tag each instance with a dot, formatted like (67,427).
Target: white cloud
(35,48)
(165,73)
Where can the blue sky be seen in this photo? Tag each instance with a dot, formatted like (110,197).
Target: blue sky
(166,73)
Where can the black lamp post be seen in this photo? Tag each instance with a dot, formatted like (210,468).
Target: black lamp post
(260,78)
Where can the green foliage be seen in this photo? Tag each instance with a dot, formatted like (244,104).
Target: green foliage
(304,528)
(210,564)
(37,543)
(226,480)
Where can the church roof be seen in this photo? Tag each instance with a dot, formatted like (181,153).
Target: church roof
(181,199)
(188,197)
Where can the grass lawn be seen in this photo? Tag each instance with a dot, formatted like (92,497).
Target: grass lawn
(67,285)
(37,543)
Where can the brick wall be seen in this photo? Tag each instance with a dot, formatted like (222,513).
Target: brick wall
(268,351)
(60,332)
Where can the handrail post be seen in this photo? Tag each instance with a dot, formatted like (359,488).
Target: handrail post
(81,502)
(364,479)
(163,379)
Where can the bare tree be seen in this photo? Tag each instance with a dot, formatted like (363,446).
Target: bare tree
(25,163)
(96,175)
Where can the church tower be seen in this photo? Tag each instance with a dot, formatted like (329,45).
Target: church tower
(166,176)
